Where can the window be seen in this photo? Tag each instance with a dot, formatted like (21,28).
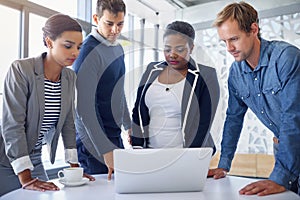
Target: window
(9,40)
(68,7)
(35,43)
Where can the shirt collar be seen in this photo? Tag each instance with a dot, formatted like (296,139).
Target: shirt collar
(263,58)
(101,39)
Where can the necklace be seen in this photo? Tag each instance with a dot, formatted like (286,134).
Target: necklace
(168,88)
(52,80)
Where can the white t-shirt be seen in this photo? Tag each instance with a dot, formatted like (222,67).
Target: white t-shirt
(165,114)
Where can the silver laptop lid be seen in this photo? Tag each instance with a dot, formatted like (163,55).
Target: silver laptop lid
(161,170)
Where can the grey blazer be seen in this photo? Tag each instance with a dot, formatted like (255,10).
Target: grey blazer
(23,110)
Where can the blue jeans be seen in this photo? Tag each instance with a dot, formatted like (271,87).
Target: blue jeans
(88,162)
(10,181)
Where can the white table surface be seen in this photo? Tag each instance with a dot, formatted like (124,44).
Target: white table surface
(101,189)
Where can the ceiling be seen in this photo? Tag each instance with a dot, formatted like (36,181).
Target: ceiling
(201,12)
(188,3)
(162,11)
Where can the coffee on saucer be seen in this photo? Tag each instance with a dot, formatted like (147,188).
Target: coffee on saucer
(71,174)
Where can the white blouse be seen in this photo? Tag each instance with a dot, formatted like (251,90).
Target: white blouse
(165,114)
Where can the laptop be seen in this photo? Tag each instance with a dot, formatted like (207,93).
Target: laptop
(161,170)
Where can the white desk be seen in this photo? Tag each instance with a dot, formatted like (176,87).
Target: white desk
(226,188)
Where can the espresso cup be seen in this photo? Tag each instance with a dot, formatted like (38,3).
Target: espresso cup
(71,174)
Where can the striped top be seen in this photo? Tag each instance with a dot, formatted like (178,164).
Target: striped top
(52,109)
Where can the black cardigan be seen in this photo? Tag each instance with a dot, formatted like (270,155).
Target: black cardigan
(197,118)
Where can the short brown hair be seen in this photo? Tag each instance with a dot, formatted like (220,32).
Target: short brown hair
(242,12)
(113,6)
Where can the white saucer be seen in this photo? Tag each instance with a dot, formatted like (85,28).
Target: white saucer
(71,184)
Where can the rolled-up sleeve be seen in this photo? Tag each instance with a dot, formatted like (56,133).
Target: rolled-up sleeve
(287,163)
(14,118)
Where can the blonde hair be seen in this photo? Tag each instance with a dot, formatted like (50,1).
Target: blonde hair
(242,12)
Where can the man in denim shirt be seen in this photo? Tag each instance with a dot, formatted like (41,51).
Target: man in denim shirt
(265,77)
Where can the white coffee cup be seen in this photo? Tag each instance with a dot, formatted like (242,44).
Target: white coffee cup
(71,174)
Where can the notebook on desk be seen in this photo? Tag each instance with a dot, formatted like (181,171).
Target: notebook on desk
(161,170)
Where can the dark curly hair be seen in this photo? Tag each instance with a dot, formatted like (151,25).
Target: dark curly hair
(183,28)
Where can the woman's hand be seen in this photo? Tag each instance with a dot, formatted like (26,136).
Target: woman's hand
(91,178)
(129,136)
(29,183)
(39,185)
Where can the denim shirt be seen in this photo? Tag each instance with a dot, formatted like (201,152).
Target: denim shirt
(272,92)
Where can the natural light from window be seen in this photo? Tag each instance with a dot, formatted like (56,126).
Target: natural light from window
(9,41)
(68,7)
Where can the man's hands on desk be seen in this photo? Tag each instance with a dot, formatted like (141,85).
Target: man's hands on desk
(217,173)
(109,158)
(261,188)
(109,162)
